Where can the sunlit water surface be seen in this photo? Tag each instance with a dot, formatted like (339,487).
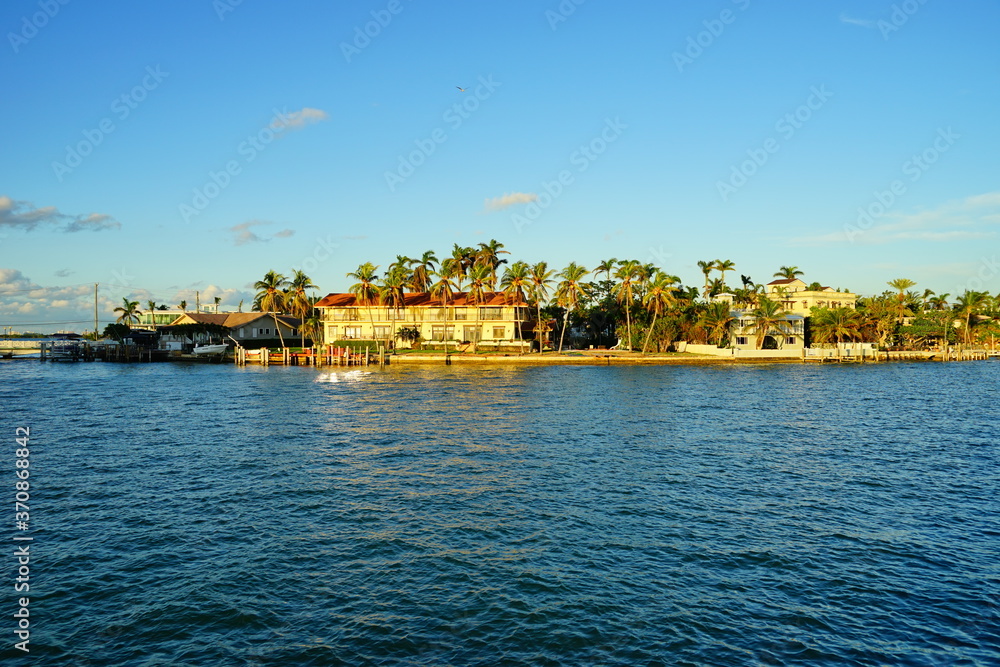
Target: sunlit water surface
(764,515)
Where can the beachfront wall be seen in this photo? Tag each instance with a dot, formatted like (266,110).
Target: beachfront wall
(495,320)
(795,298)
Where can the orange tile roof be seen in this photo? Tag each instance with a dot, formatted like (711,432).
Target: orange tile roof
(420,299)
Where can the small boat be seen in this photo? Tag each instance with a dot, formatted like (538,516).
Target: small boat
(202,350)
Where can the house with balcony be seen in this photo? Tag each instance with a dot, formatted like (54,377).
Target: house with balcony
(251,330)
(796,297)
(496,321)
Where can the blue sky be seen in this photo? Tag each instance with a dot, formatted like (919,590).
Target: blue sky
(162,148)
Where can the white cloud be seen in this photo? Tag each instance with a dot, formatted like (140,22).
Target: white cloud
(23,215)
(973,218)
(243,233)
(296,120)
(507,200)
(864,23)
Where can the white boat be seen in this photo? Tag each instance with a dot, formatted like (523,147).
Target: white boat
(209,349)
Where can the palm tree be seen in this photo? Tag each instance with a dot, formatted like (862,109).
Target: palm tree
(218,300)
(659,297)
(788,272)
(768,315)
(836,325)
(901,284)
(298,301)
(271,297)
(966,305)
(627,274)
(183,305)
(723,265)
(151,305)
(541,280)
(717,319)
(606,267)
(479,279)
(443,290)
(569,292)
(420,279)
(312,327)
(706,268)
(365,292)
(129,312)
(489,255)
(516,284)
(392,293)
(463,258)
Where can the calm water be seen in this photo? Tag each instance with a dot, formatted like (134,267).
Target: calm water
(767,515)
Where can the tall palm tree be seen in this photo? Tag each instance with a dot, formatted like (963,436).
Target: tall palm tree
(365,291)
(151,305)
(129,312)
(271,297)
(658,299)
(463,258)
(901,284)
(516,283)
(723,265)
(707,268)
(298,300)
(768,315)
(423,269)
(392,294)
(569,292)
(541,280)
(606,267)
(444,290)
(183,305)
(489,255)
(967,305)
(627,274)
(479,281)
(788,272)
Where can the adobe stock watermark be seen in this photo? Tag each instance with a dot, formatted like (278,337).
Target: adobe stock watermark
(989,269)
(900,14)
(581,158)
(786,127)
(31,25)
(363,35)
(248,149)
(914,168)
(223,7)
(407,164)
(704,39)
(562,13)
(122,107)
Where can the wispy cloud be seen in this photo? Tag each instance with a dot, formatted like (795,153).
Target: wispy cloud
(243,233)
(864,23)
(975,217)
(296,120)
(25,216)
(508,200)
(63,273)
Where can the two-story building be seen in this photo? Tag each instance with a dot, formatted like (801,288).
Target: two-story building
(796,297)
(497,320)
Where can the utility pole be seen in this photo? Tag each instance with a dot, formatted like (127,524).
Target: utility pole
(96,332)
(197,302)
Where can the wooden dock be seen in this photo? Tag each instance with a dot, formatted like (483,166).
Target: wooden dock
(318,355)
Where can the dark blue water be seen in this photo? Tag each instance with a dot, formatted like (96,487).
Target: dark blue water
(764,515)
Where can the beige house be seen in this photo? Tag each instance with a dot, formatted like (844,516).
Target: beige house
(498,320)
(794,296)
(250,329)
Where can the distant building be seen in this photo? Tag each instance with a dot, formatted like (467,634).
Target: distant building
(498,320)
(249,329)
(795,297)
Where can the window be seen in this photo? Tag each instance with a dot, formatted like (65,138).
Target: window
(352,332)
(241,334)
(790,340)
(741,340)
(499,333)
(439,332)
(491,313)
(471,334)
(381,332)
(461,314)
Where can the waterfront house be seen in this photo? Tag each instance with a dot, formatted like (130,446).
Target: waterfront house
(252,330)
(496,321)
(796,297)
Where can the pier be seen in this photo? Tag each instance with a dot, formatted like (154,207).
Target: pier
(318,355)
